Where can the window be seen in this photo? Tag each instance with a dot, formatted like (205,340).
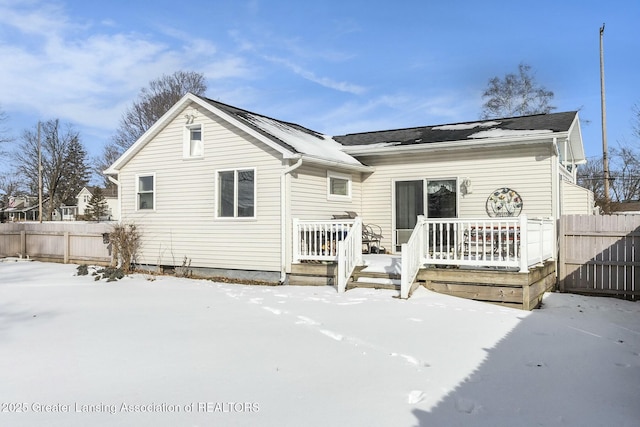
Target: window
(193,146)
(338,186)
(442,198)
(236,193)
(146,195)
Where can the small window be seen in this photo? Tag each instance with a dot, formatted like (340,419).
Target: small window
(236,193)
(193,146)
(338,186)
(146,192)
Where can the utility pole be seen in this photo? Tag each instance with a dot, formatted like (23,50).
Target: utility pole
(39,176)
(605,155)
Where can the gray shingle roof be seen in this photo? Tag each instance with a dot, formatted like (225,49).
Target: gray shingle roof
(246,117)
(539,123)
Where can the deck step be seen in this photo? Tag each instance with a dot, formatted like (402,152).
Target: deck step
(375,275)
(372,285)
(373,280)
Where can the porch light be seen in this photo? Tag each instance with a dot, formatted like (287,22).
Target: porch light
(466,187)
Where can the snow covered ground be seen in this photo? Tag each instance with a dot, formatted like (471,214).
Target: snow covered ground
(180,352)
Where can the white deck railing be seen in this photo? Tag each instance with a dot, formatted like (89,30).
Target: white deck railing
(318,240)
(349,254)
(512,243)
(337,241)
(515,243)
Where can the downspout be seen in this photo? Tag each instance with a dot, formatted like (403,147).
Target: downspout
(283,218)
(555,182)
(556,208)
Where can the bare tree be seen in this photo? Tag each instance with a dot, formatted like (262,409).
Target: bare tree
(516,95)
(636,120)
(4,132)
(591,177)
(110,153)
(64,166)
(153,101)
(625,172)
(624,175)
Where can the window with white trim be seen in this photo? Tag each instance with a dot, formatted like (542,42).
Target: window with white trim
(237,193)
(193,145)
(145,192)
(338,186)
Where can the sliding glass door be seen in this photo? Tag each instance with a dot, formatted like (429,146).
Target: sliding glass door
(409,198)
(441,202)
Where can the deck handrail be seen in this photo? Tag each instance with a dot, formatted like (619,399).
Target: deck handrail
(514,243)
(318,240)
(349,254)
(412,256)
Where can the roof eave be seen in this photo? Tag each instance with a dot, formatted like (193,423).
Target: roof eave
(574,135)
(453,145)
(173,113)
(332,163)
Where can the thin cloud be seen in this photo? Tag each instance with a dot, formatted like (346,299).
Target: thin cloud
(65,70)
(323,81)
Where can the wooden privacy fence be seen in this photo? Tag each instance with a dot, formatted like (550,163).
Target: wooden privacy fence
(599,255)
(67,242)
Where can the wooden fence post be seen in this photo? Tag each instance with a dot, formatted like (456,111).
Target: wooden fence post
(23,243)
(67,248)
(562,252)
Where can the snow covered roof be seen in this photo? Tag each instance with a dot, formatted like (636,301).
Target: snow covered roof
(291,136)
(538,124)
(295,141)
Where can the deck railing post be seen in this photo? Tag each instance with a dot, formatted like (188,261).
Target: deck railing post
(405,272)
(524,245)
(296,240)
(422,237)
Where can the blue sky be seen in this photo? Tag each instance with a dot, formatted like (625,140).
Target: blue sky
(333,66)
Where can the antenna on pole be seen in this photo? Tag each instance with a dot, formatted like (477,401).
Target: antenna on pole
(605,156)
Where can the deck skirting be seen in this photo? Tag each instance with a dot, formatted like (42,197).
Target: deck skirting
(513,289)
(508,288)
(313,274)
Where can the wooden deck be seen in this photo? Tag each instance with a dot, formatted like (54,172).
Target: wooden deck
(508,288)
(503,287)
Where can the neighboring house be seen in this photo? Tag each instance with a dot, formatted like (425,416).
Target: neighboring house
(21,208)
(111,197)
(68,213)
(26,208)
(224,186)
(625,208)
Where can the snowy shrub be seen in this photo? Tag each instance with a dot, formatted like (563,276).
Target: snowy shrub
(125,239)
(110,273)
(83,270)
(185,269)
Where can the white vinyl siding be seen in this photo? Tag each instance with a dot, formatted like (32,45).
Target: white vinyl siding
(526,169)
(576,200)
(308,191)
(184,222)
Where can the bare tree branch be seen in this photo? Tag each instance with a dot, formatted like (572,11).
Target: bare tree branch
(516,95)
(64,169)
